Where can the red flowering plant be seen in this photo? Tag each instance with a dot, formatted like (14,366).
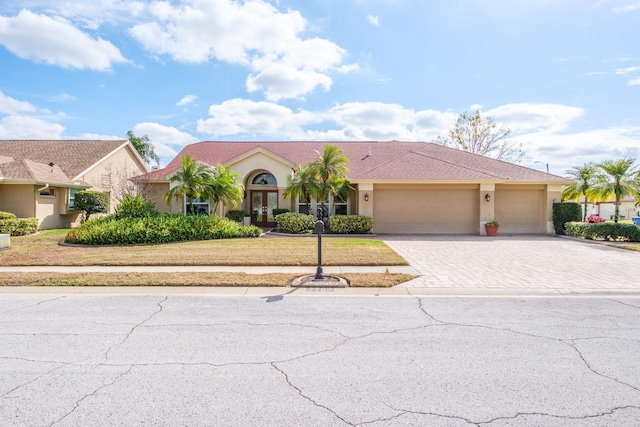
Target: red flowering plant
(595,218)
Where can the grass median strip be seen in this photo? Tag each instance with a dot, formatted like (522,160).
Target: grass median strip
(376,280)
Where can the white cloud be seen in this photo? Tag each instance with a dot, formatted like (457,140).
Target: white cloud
(164,138)
(99,136)
(529,117)
(254,34)
(25,127)
(10,105)
(627,8)
(374,20)
(627,70)
(189,99)
(56,42)
(246,117)
(62,97)
(634,82)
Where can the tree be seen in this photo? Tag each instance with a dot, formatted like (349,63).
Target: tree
(190,182)
(324,176)
(302,184)
(619,178)
(583,180)
(90,202)
(330,171)
(224,187)
(479,134)
(144,147)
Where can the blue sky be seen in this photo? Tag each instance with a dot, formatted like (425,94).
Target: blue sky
(563,75)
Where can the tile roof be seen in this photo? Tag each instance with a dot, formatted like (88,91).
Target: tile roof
(30,159)
(374,161)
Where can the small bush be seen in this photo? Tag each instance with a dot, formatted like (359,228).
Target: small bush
(158,228)
(565,212)
(294,223)
(614,231)
(18,226)
(278,211)
(134,207)
(90,202)
(237,215)
(350,224)
(7,215)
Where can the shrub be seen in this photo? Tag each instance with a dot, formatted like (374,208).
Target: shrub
(565,212)
(157,228)
(90,202)
(278,211)
(351,224)
(595,218)
(295,223)
(18,226)
(603,231)
(134,207)
(237,215)
(7,215)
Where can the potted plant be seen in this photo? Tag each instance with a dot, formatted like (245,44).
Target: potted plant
(492,227)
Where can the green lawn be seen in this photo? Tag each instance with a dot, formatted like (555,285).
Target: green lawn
(44,249)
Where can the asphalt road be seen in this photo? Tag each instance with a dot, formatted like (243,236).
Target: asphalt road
(178,360)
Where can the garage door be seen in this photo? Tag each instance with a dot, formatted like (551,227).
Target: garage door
(520,210)
(425,209)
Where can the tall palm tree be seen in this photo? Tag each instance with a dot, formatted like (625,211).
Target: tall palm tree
(620,179)
(191,180)
(144,147)
(583,180)
(302,184)
(223,188)
(331,171)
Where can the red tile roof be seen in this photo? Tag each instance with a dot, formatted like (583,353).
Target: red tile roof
(373,161)
(29,159)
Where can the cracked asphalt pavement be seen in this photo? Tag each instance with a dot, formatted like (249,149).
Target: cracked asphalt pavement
(169,360)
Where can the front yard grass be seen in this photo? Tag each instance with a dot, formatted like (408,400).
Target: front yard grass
(44,249)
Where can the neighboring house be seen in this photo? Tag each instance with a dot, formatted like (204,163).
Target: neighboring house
(407,187)
(606,209)
(40,178)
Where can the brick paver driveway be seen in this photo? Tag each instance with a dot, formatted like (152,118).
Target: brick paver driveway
(542,262)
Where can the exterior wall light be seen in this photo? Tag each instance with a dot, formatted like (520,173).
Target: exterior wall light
(366,197)
(487,197)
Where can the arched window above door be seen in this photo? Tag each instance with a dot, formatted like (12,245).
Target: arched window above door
(264,178)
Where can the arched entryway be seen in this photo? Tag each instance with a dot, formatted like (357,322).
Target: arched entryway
(263,191)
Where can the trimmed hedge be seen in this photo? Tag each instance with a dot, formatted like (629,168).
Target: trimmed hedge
(18,226)
(615,231)
(350,224)
(7,215)
(278,211)
(159,228)
(295,223)
(237,215)
(565,212)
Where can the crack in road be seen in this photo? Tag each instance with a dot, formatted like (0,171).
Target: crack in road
(623,303)
(134,327)
(93,393)
(304,396)
(567,342)
(32,305)
(562,417)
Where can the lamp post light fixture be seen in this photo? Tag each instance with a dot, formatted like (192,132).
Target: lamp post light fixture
(366,197)
(487,197)
(543,163)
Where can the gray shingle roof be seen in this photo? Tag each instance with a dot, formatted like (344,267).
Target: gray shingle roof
(30,159)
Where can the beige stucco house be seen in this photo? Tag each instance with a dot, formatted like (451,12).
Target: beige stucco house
(407,187)
(39,178)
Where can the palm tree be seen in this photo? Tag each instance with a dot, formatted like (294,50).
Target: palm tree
(191,180)
(302,184)
(583,180)
(620,179)
(331,172)
(223,188)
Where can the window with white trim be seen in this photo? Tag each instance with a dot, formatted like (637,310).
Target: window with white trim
(200,206)
(72,197)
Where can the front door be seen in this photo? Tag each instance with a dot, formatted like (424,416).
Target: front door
(263,202)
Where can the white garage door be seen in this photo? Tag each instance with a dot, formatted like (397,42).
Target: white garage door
(425,209)
(520,210)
